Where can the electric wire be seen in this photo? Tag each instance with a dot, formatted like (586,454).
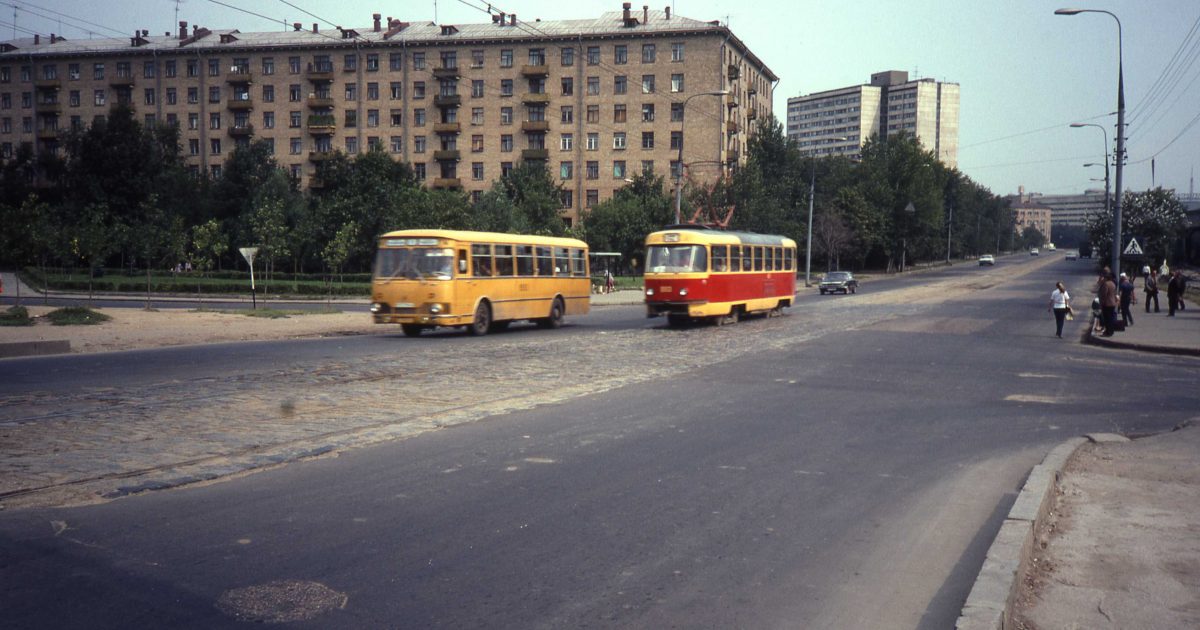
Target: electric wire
(61,16)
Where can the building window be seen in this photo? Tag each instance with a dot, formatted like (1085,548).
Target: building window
(647,84)
(619,113)
(477,58)
(294,93)
(194,146)
(268,65)
(593,198)
(193,121)
(268,94)
(351,91)
(372,91)
(418,91)
(676,112)
(192,68)
(418,59)
(419,117)
(293,65)
(506,58)
(294,120)
(593,170)
(149,96)
(568,86)
(677,51)
(397,90)
(619,140)
(477,171)
(619,169)
(168,69)
(593,113)
(397,144)
(567,114)
(397,118)
(648,112)
(593,86)
(215,146)
(537,56)
(566,142)
(593,55)
(419,170)
(99,98)
(372,117)
(214,94)
(647,167)
(567,56)
(676,82)
(214,121)
(593,141)
(268,120)
(351,145)
(620,84)
(506,115)
(506,169)
(566,170)
(148,70)
(477,143)
(172,96)
(476,115)
(567,199)
(676,140)
(418,144)
(396,62)
(373,62)
(620,54)
(647,53)
(476,88)
(506,87)
(506,143)
(214,68)
(647,139)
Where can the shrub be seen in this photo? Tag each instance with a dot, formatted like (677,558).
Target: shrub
(76,316)
(16,316)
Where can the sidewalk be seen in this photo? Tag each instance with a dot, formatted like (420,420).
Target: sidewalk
(1104,533)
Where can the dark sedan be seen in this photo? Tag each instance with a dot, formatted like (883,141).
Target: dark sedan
(836,281)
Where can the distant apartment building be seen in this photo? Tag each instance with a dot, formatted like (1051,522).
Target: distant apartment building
(839,121)
(1065,210)
(596,100)
(1028,210)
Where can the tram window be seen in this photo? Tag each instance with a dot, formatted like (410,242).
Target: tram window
(758,258)
(524,260)
(787,258)
(718,257)
(545,264)
(504,261)
(770,254)
(578,262)
(562,262)
(747,258)
(481,260)
(735,258)
(777,258)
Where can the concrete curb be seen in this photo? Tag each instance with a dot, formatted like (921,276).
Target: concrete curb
(989,605)
(1107,342)
(34,348)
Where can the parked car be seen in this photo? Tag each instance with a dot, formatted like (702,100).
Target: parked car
(1072,256)
(836,281)
(987,259)
(1033,252)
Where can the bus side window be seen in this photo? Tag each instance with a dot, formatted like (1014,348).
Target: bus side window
(462,261)
(735,258)
(578,262)
(524,260)
(504,260)
(718,257)
(481,261)
(562,262)
(545,264)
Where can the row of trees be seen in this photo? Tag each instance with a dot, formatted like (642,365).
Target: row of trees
(121,194)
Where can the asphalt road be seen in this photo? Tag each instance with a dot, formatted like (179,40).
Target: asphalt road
(851,481)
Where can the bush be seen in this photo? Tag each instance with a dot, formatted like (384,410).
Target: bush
(76,316)
(16,316)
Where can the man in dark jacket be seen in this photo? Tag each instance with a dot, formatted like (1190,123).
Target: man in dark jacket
(1174,292)
(1151,289)
(1125,290)
(1108,303)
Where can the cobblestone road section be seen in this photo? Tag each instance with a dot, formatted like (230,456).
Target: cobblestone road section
(112,442)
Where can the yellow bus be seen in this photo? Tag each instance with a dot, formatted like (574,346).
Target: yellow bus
(481,280)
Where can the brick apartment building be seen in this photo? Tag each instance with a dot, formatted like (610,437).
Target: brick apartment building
(597,100)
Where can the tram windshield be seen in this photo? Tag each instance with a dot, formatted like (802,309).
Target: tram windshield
(676,259)
(414,263)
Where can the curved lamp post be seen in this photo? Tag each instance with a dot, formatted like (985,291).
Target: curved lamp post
(1119,156)
(679,173)
(1107,206)
(812,192)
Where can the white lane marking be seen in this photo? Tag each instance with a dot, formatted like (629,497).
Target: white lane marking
(540,460)
(1033,398)
(1036,375)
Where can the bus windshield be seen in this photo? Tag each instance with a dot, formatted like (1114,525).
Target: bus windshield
(414,263)
(676,259)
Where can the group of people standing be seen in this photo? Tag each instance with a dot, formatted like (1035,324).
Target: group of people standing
(1118,293)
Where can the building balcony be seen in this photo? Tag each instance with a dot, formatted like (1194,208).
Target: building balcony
(446,73)
(320,156)
(734,72)
(753,115)
(121,82)
(239,75)
(447,127)
(535,154)
(316,183)
(47,84)
(241,131)
(322,125)
(535,71)
(447,154)
(239,104)
(47,107)
(535,98)
(535,126)
(447,100)
(731,126)
(319,72)
(752,91)
(447,182)
(48,133)
(320,102)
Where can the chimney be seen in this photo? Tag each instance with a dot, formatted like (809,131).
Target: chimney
(182,29)
(37,39)
(495,18)
(296,26)
(645,14)
(195,29)
(145,32)
(502,18)
(625,9)
(315,28)
(512,20)
(376,17)
(668,12)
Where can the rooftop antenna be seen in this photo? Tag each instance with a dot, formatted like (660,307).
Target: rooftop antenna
(177,3)
(435,20)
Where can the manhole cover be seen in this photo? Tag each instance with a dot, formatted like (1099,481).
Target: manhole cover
(280,601)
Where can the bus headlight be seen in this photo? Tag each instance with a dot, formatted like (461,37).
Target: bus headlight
(435,308)
(376,307)
(683,292)
(649,291)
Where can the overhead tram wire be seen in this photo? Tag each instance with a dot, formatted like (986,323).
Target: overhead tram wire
(1070,159)
(1168,145)
(1172,68)
(62,16)
(1026,133)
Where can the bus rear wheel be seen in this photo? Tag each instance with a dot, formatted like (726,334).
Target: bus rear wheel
(483,320)
(555,320)
(412,330)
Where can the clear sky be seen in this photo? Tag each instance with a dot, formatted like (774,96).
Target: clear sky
(1025,73)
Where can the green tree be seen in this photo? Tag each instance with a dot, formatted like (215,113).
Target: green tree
(536,198)
(620,224)
(905,182)
(1155,217)
(94,236)
(1032,237)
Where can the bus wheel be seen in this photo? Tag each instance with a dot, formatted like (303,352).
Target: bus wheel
(411,330)
(483,320)
(676,320)
(556,316)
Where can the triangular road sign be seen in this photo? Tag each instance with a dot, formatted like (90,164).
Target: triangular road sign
(1133,249)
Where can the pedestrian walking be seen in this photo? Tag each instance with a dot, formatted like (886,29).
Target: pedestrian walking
(1060,304)
(1174,293)
(1182,290)
(1125,289)
(1108,303)
(609,283)
(1150,287)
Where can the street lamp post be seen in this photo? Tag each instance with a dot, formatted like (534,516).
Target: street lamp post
(812,193)
(1119,156)
(679,172)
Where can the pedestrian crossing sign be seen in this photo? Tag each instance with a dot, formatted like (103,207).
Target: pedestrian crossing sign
(1133,248)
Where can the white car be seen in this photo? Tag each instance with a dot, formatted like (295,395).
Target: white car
(987,259)
(1033,252)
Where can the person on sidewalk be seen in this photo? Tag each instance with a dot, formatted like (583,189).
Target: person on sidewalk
(1182,290)
(1150,286)
(1060,303)
(1108,303)
(1173,293)
(1125,288)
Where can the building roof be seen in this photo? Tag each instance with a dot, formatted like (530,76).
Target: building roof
(608,25)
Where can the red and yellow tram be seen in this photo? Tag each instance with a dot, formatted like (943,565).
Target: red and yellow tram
(696,272)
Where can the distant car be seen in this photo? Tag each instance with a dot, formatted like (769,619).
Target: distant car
(836,281)
(1033,252)
(987,259)
(1072,256)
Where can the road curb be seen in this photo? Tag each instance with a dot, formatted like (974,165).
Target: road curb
(34,348)
(1106,342)
(989,604)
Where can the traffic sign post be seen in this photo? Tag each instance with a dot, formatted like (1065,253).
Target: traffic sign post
(249,253)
